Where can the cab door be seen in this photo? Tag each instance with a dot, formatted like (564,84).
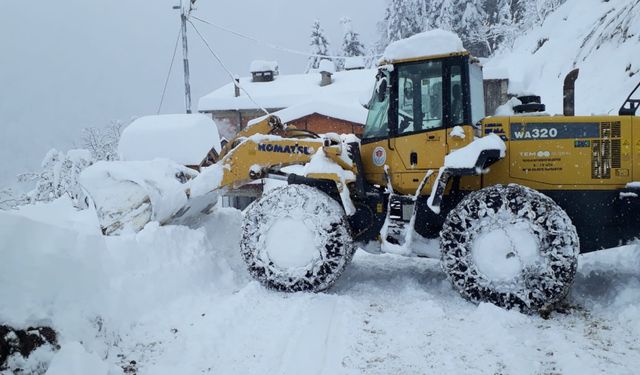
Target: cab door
(433,97)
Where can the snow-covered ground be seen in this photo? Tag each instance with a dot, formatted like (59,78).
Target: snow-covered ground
(179,301)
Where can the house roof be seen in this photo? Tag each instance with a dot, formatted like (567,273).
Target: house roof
(348,89)
(185,139)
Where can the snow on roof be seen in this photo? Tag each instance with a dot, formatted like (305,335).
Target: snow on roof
(354,62)
(352,113)
(327,66)
(429,43)
(185,139)
(289,90)
(263,66)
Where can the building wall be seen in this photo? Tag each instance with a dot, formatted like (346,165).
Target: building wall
(323,124)
(496,93)
(230,122)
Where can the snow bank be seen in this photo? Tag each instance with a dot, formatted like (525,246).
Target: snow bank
(429,43)
(47,273)
(70,279)
(73,359)
(598,37)
(354,62)
(263,66)
(185,139)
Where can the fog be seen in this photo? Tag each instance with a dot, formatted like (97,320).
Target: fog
(71,64)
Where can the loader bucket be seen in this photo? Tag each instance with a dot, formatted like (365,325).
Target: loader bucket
(128,195)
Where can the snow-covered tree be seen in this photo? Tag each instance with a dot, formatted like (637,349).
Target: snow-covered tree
(103,142)
(59,177)
(403,18)
(319,46)
(483,25)
(474,28)
(351,44)
(10,199)
(447,15)
(504,27)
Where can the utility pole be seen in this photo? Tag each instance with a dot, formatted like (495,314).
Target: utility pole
(184,13)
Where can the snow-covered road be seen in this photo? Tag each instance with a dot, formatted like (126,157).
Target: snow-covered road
(178,301)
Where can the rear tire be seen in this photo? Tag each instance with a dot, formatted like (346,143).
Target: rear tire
(296,238)
(511,246)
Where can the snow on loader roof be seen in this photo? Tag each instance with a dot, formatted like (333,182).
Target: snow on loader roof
(184,138)
(429,43)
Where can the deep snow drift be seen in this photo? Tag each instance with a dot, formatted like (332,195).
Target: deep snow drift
(601,38)
(178,300)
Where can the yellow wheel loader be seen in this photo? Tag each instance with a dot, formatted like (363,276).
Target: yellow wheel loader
(512,200)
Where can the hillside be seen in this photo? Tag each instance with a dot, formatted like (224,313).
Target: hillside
(601,38)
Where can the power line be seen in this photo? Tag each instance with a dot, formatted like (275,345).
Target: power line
(274,46)
(233,79)
(166,81)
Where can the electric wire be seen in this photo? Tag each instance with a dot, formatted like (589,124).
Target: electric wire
(166,81)
(274,46)
(233,79)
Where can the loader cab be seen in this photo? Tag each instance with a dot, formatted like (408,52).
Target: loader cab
(415,105)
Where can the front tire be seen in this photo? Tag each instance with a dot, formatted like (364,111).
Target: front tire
(296,238)
(511,246)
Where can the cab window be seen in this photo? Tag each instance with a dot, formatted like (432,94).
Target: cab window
(377,125)
(419,97)
(457,99)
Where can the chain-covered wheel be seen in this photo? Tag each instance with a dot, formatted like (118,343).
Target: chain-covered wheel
(296,238)
(511,246)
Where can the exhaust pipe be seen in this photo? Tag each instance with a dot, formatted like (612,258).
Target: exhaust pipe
(569,92)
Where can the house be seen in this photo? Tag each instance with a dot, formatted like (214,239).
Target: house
(321,101)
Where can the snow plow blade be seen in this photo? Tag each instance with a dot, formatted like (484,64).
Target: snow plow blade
(128,195)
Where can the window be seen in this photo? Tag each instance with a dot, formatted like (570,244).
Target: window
(477,93)
(377,119)
(419,97)
(457,99)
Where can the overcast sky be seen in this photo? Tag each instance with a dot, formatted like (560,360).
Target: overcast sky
(66,65)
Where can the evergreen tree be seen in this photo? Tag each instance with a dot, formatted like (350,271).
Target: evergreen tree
(403,18)
(351,45)
(505,27)
(474,28)
(483,25)
(319,46)
(447,17)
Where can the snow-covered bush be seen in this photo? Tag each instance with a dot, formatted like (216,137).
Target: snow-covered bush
(103,142)
(60,170)
(10,199)
(59,177)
